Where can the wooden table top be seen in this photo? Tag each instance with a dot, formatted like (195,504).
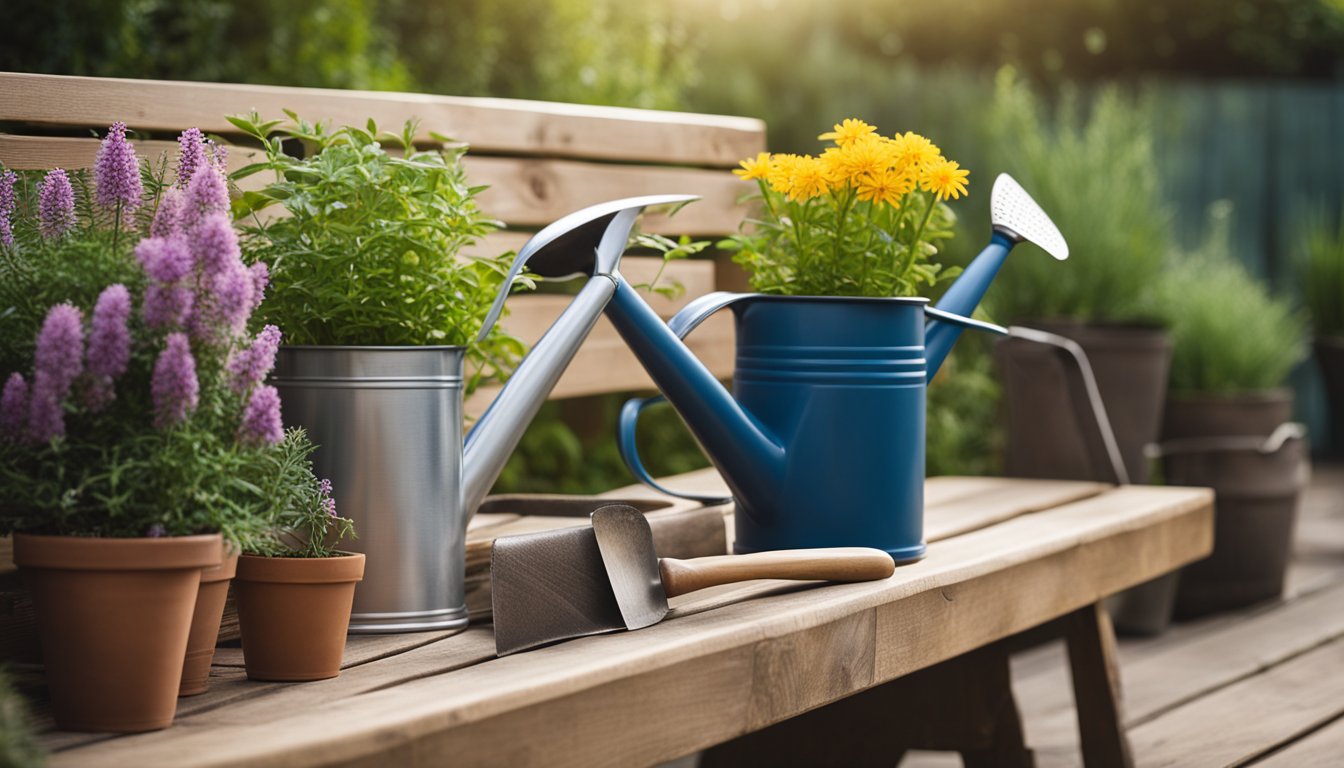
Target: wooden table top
(1005,555)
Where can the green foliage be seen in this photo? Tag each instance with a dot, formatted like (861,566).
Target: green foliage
(1231,335)
(671,250)
(1098,180)
(961,421)
(1322,275)
(302,519)
(18,742)
(370,251)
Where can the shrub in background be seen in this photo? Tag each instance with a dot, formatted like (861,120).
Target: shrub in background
(1321,275)
(1231,335)
(18,744)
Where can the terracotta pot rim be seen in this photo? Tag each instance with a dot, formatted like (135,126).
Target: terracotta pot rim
(91,553)
(226,569)
(347,567)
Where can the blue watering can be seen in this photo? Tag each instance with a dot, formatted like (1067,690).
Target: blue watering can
(822,440)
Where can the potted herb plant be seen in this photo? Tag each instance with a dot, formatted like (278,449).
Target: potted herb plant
(135,431)
(1098,178)
(382,313)
(294,588)
(1322,280)
(1235,344)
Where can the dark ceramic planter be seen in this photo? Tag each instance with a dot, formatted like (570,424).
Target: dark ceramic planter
(1257,498)
(1330,359)
(1052,432)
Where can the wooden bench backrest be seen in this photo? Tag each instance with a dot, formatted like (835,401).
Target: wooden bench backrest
(541,161)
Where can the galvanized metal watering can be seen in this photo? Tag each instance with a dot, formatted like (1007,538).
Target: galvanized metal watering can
(388,422)
(822,440)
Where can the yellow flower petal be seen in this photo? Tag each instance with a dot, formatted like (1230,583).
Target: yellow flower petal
(847,131)
(754,168)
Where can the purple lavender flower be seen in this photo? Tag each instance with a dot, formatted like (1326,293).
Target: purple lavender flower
(324,494)
(219,155)
(249,367)
(156,531)
(206,193)
(261,278)
(56,364)
(13,408)
(167,306)
(215,245)
(261,418)
(116,173)
(109,349)
(192,155)
(7,180)
(167,216)
(165,259)
(56,205)
(174,385)
(223,305)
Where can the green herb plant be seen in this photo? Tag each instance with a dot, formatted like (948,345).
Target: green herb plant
(303,521)
(1097,177)
(370,249)
(18,739)
(1231,334)
(1322,275)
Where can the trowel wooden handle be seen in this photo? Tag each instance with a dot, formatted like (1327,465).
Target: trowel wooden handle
(834,564)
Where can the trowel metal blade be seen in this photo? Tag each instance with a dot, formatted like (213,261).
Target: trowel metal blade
(626,543)
(549,586)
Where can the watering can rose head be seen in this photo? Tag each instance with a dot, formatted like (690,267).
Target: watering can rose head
(861,219)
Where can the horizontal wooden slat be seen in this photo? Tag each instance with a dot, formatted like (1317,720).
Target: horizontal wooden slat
(522,191)
(702,676)
(490,125)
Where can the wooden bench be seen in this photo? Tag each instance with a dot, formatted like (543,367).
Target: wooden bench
(918,660)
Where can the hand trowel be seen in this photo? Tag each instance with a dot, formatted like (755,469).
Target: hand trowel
(573,582)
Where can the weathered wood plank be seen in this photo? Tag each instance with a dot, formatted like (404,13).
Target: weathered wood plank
(1285,702)
(1096,685)
(619,692)
(523,191)
(490,125)
(1322,749)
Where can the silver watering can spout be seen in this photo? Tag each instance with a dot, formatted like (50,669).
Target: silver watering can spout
(590,241)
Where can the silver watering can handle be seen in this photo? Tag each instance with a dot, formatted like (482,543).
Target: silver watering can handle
(688,319)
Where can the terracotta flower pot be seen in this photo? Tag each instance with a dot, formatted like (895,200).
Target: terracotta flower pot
(294,613)
(113,616)
(205,624)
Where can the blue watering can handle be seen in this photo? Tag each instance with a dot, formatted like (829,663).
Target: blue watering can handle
(685,321)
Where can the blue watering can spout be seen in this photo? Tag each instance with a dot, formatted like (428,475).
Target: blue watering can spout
(1015,218)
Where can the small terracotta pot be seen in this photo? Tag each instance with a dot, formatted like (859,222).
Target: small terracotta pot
(205,624)
(113,616)
(294,613)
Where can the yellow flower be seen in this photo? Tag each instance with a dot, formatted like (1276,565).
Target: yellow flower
(944,178)
(867,156)
(757,168)
(914,150)
(809,179)
(848,131)
(886,187)
(780,175)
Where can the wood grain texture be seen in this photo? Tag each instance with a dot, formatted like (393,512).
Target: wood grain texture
(1096,686)
(489,125)
(832,564)
(1322,749)
(696,679)
(528,192)
(1289,700)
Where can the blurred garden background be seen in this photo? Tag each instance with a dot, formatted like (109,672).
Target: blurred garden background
(1158,133)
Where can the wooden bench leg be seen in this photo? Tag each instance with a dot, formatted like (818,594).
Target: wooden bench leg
(964,705)
(1096,688)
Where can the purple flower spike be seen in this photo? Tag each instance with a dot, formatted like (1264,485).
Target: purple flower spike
(174,385)
(13,408)
(192,155)
(156,531)
(324,493)
(167,216)
(215,245)
(261,418)
(56,205)
(7,180)
(165,259)
(206,194)
(167,306)
(261,278)
(109,349)
(249,367)
(57,362)
(116,173)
